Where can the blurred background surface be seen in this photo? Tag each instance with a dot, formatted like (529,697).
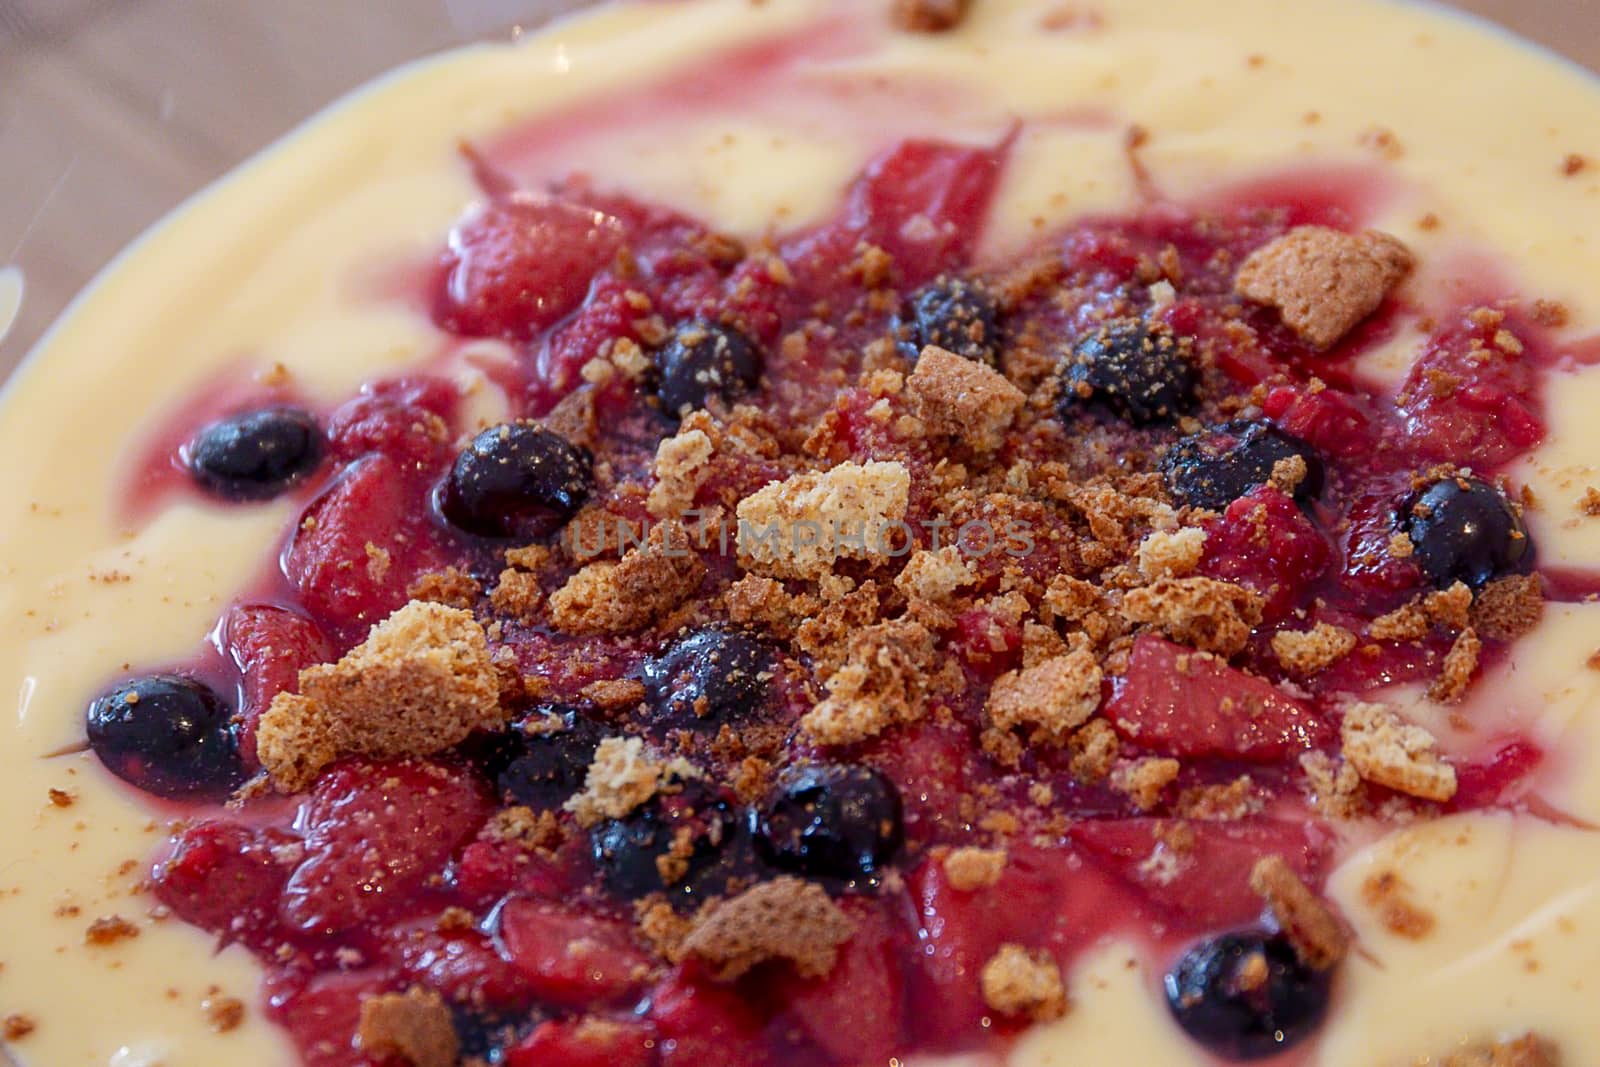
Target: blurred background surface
(113,111)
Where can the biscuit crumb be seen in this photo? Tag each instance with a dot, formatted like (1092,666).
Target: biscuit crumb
(1204,613)
(420,683)
(800,527)
(223,1014)
(1172,555)
(929,16)
(1288,473)
(17,1027)
(1144,780)
(1388,895)
(1574,165)
(109,930)
(414,1026)
(1050,699)
(1508,608)
(1333,785)
(882,683)
(1529,1050)
(963,399)
(683,462)
(1311,927)
(618,597)
(1023,984)
(1220,802)
(1094,747)
(621,777)
(62,798)
(970,869)
(1460,664)
(449,587)
(935,575)
(1309,651)
(1406,623)
(1450,607)
(614,694)
(1323,281)
(517,594)
(524,827)
(1388,751)
(786,918)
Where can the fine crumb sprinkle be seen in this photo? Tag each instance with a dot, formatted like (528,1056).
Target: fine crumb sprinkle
(935,575)
(1388,751)
(644,585)
(1312,650)
(784,919)
(929,16)
(420,683)
(1050,699)
(1310,925)
(62,798)
(1529,1050)
(1507,608)
(415,1026)
(1204,613)
(17,1027)
(614,694)
(800,527)
(1322,281)
(1171,555)
(1460,664)
(1144,780)
(963,399)
(223,1013)
(621,777)
(1387,894)
(1024,984)
(1221,802)
(970,869)
(1288,473)
(109,930)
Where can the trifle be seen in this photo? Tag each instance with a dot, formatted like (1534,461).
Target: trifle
(832,534)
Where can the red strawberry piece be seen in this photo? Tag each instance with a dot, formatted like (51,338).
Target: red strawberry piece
(406,419)
(988,645)
(928,765)
(1499,776)
(270,646)
(1466,396)
(855,1014)
(700,1023)
(520,265)
(462,965)
(570,957)
(1328,419)
(226,878)
(607,316)
(585,1043)
(1196,874)
(1179,702)
(1265,542)
(340,579)
(489,870)
(376,832)
(323,1017)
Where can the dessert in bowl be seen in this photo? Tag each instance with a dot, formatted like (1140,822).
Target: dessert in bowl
(804,534)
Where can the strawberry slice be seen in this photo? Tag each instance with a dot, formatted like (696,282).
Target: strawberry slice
(703,1024)
(1189,704)
(520,265)
(1196,874)
(377,832)
(1264,542)
(585,1043)
(324,1015)
(570,957)
(855,1014)
(406,419)
(225,878)
(270,646)
(461,964)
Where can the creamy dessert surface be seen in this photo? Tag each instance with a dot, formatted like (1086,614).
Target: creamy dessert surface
(284,263)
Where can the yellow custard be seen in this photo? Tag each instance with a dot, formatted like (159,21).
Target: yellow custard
(1472,128)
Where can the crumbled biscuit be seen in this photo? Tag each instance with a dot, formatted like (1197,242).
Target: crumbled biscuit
(683,462)
(1450,607)
(1333,785)
(1529,1050)
(1094,749)
(1460,664)
(929,16)
(1388,751)
(1288,473)
(17,1027)
(935,575)
(755,600)
(662,927)
(1507,608)
(621,777)
(517,594)
(1220,802)
(1021,984)
(1144,780)
(633,592)
(524,827)
(62,798)
(1388,895)
(1171,555)
(1041,643)
(970,869)
(420,683)
(414,1026)
(614,694)
(883,682)
(784,919)
(1310,925)
(449,587)
(1323,281)
(1048,700)
(799,528)
(1406,623)
(1401,546)
(529,557)
(1204,613)
(1309,651)
(109,930)
(963,399)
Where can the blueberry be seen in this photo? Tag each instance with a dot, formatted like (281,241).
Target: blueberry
(629,851)
(537,763)
(1245,995)
(1142,372)
(168,735)
(517,480)
(831,820)
(703,360)
(1463,529)
(1220,464)
(255,455)
(958,315)
(710,677)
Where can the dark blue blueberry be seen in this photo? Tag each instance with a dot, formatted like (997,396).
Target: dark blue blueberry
(1142,372)
(1246,996)
(1463,529)
(517,480)
(255,455)
(956,314)
(535,763)
(705,360)
(710,677)
(168,735)
(486,1035)
(628,850)
(1220,464)
(831,820)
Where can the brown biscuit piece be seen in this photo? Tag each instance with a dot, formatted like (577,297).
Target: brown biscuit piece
(414,1026)
(1023,984)
(1203,613)
(784,919)
(641,587)
(929,16)
(1050,699)
(1391,752)
(1324,281)
(1310,925)
(964,399)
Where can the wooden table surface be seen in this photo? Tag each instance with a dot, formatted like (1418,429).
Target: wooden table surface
(112,111)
